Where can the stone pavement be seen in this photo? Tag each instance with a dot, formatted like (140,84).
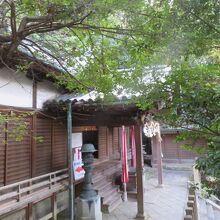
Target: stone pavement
(167,203)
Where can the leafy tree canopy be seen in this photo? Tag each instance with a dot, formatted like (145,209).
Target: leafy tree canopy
(94,38)
(165,51)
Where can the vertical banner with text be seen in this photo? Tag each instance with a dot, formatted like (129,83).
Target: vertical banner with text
(77,156)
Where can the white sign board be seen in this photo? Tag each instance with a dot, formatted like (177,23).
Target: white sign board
(76,139)
(77,156)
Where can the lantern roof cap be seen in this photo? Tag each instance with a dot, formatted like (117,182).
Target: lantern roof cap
(87,148)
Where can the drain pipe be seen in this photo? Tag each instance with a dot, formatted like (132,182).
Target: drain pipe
(70,160)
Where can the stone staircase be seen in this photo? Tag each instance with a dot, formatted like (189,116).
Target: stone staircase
(103,182)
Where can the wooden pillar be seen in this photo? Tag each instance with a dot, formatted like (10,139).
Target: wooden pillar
(159,161)
(54,206)
(33,145)
(34,94)
(140,172)
(52,145)
(6,154)
(29,212)
(34,129)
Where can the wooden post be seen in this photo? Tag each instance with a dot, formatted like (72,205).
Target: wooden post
(70,162)
(140,172)
(29,212)
(34,94)
(19,193)
(33,145)
(54,206)
(34,129)
(6,153)
(159,161)
(52,145)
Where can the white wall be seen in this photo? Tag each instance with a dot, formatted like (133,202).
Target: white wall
(16,90)
(45,91)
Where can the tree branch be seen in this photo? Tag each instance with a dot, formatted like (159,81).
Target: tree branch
(205,127)
(205,22)
(13,20)
(37,19)
(55,58)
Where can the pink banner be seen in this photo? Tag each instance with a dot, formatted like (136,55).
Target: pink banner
(124,157)
(133,148)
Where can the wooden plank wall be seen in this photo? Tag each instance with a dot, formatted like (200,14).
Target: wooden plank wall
(43,146)
(50,153)
(18,155)
(102,142)
(116,139)
(172,151)
(110,142)
(59,150)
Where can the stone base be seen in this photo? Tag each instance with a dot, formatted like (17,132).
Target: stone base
(141,217)
(88,209)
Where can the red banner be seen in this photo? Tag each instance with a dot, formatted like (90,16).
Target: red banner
(124,157)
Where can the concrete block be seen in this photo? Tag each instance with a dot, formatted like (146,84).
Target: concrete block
(188,217)
(190,203)
(189,211)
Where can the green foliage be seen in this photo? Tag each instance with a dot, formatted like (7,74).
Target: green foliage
(118,46)
(94,39)
(191,96)
(39,139)
(15,125)
(210,166)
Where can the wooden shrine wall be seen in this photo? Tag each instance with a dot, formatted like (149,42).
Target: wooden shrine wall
(43,149)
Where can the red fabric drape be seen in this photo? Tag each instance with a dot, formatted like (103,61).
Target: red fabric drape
(124,157)
(133,147)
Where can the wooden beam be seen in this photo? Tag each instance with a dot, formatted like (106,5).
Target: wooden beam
(6,153)
(140,172)
(34,94)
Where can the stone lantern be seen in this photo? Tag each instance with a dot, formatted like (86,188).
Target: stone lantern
(88,204)
(87,157)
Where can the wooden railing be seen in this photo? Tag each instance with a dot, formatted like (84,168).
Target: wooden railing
(28,191)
